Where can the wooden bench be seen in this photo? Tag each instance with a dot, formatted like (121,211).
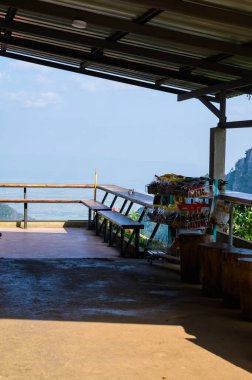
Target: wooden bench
(173,262)
(93,206)
(123,222)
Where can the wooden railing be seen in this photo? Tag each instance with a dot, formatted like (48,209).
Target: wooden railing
(138,198)
(235,198)
(26,200)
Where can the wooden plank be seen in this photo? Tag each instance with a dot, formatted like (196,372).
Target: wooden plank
(48,185)
(94,205)
(139,198)
(120,220)
(112,189)
(237,197)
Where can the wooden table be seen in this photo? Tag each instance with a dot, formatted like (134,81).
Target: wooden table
(122,192)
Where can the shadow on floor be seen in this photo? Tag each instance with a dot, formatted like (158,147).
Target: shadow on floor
(121,291)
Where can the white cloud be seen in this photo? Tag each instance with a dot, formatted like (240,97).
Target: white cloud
(34,100)
(42,79)
(96,84)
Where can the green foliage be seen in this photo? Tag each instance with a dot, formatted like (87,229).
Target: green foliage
(243,222)
(134,215)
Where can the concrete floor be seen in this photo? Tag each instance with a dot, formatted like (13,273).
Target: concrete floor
(111,319)
(37,243)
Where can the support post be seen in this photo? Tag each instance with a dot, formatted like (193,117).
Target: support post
(89,218)
(217,153)
(95,184)
(110,234)
(222,117)
(137,233)
(122,242)
(105,231)
(25,209)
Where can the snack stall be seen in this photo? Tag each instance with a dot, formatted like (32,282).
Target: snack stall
(181,202)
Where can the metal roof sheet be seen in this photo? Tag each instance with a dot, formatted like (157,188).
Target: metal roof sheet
(173,46)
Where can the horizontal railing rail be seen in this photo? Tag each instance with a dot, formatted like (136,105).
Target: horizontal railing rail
(234,198)
(237,197)
(48,185)
(26,200)
(142,199)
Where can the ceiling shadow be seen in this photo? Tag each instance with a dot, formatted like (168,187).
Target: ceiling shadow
(121,291)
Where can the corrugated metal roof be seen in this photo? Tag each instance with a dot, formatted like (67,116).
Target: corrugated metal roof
(174,46)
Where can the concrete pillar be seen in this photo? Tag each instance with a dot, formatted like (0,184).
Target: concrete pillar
(217,153)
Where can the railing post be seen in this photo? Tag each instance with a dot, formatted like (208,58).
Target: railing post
(231,219)
(25,209)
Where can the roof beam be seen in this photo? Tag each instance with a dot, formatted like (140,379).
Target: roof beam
(10,14)
(210,106)
(101,59)
(238,124)
(224,86)
(90,73)
(130,27)
(118,35)
(206,11)
(80,39)
(143,19)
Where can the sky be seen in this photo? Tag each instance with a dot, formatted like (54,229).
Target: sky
(57,127)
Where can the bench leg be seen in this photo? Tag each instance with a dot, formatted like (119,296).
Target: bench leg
(89,219)
(110,234)
(139,220)
(122,242)
(137,242)
(101,227)
(105,230)
(97,224)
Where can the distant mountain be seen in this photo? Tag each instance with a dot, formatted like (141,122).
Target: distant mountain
(240,178)
(8,213)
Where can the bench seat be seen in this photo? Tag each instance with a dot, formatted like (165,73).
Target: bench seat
(123,222)
(93,206)
(152,255)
